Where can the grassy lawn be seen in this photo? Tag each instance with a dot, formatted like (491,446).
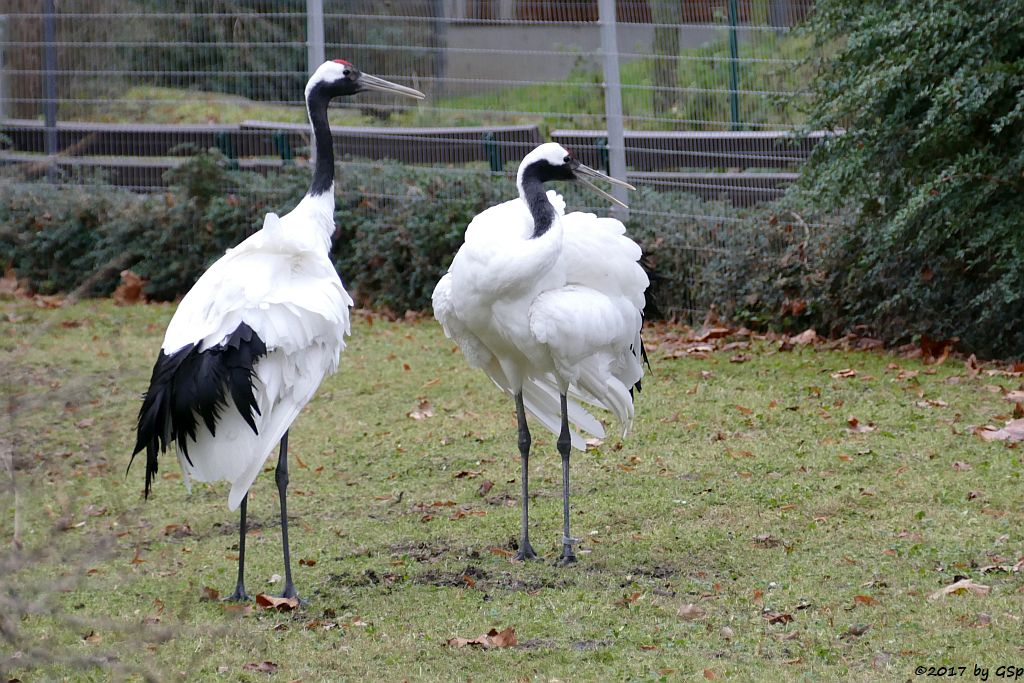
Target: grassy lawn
(770,83)
(742,532)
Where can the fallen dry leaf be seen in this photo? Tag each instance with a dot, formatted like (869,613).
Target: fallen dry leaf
(845,373)
(1011,431)
(628,600)
(777,617)
(857,427)
(491,639)
(209,594)
(274,602)
(961,466)
(864,600)
(690,612)
(808,336)
(422,411)
(262,667)
(960,587)
(130,289)
(92,637)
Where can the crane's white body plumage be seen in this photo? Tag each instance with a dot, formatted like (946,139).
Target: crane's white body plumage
(558,313)
(281,283)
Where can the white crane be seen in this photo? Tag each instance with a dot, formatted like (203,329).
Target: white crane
(549,305)
(251,341)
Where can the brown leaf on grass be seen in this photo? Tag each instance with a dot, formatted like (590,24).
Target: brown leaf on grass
(261,667)
(808,336)
(468,474)
(690,612)
(491,639)
(1011,431)
(864,600)
(960,587)
(936,351)
(857,427)
(845,373)
(500,552)
(130,289)
(628,600)
(422,411)
(92,637)
(1014,396)
(766,541)
(708,333)
(485,486)
(856,630)
(773,617)
(744,410)
(740,358)
(274,602)
(961,466)
(460,513)
(208,594)
(178,530)
(972,366)
(307,562)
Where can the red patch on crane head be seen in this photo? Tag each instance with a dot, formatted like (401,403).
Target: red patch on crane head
(342,61)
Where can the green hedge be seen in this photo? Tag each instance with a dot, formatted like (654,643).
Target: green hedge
(398,229)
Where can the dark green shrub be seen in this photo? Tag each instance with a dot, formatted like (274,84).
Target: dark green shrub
(398,229)
(930,170)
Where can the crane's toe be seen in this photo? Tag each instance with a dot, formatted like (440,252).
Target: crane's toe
(526,552)
(239,595)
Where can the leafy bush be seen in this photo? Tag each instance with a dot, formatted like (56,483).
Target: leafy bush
(930,170)
(398,229)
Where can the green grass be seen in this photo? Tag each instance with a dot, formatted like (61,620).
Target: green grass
(769,88)
(738,491)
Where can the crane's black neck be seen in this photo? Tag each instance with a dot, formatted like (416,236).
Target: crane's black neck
(323,172)
(532,183)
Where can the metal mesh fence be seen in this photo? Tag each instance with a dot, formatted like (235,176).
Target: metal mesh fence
(106,91)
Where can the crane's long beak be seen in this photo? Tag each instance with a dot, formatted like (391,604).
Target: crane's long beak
(369,82)
(583,173)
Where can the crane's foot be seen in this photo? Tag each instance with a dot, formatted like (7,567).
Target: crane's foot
(239,595)
(568,556)
(566,559)
(290,592)
(526,552)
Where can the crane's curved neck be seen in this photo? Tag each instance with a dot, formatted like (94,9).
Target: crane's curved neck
(531,189)
(323,171)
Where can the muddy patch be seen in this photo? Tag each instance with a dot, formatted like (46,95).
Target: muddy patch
(420,551)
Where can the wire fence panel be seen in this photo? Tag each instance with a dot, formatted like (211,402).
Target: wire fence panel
(126,89)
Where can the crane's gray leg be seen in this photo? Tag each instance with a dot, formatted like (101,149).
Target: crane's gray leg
(564,443)
(240,595)
(281,475)
(525,549)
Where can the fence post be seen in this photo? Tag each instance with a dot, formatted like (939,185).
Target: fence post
(5,95)
(734,55)
(613,102)
(50,85)
(314,35)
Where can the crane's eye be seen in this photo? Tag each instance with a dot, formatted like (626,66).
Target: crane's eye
(567,159)
(347,73)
